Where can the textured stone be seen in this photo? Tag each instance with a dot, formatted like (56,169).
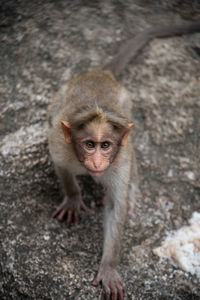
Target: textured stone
(44,43)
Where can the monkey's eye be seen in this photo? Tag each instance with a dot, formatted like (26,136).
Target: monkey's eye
(105,145)
(90,144)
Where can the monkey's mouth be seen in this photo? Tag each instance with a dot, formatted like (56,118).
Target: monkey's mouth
(95,173)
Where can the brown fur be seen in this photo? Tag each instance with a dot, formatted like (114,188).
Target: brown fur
(95,108)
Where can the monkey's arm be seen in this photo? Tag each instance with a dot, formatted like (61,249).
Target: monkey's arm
(72,203)
(115,216)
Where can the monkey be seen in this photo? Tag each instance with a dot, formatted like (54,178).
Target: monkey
(91,133)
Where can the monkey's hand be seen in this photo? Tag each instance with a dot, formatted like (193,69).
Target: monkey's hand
(70,207)
(113,285)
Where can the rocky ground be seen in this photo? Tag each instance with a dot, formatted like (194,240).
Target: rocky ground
(43,44)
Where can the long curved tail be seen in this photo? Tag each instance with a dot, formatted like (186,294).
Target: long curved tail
(131,47)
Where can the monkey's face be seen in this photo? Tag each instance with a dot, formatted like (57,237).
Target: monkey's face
(96,147)
(96,144)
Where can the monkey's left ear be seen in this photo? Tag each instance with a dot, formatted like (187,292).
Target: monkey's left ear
(67,131)
(125,136)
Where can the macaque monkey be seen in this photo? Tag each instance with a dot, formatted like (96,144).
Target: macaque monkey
(91,124)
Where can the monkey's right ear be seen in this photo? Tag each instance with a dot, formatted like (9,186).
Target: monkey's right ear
(67,131)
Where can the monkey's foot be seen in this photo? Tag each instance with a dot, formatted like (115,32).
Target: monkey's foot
(112,284)
(71,210)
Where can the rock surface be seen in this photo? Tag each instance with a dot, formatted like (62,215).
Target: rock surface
(44,43)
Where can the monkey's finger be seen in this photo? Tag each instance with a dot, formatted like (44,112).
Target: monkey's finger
(96,281)
(61,211)
(123,288)
(107,292)
(120,292)
(76,218)
(69,217)
(114,294)
(83,206)
(56,212)
(62,214)
(121,284)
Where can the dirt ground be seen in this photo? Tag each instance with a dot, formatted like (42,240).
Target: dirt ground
(45,43)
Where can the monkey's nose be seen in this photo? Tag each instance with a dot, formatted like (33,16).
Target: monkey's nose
(97,161)
(97,165)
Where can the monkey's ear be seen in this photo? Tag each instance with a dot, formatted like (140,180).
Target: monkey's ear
(125,136)
(67,131)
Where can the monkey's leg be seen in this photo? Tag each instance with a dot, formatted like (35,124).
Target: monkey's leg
(72,203)
(115,216)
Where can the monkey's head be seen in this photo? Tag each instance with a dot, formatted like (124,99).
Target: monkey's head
(96,141)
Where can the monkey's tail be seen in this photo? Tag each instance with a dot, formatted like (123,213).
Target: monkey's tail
(130,48)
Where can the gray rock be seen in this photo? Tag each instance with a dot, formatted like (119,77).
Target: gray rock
(42,45)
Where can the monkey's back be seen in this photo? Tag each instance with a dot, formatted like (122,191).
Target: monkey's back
(91,89)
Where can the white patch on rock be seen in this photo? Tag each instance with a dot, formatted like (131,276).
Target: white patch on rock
(183,246)
(190,175)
